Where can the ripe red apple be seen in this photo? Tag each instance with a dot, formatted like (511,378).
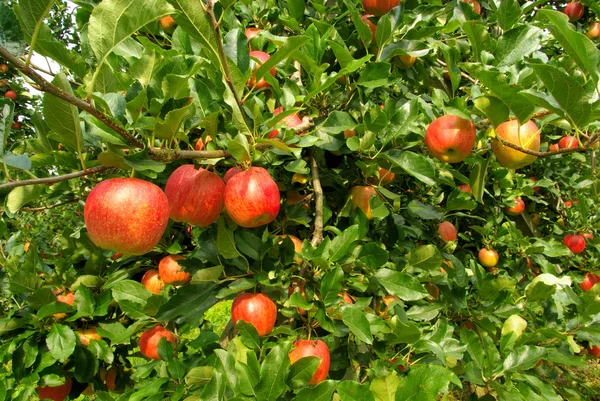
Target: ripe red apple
(594,351)
(10,94)
(16,125)
(574,11)
(588,236)
(450,138)
(252,33)
(535,189)
(475,4)
(297,245)
(588,281)
(109,377)
(126,215)
(171,272)
(553,147)
(256,309)
(349,133)
(57,393)
(465,188)
(68,298)
(262,57)
(153,282)
(385,177)
(517,209)
(304,348)
(347,299)
(527,136)
(360,196)
(379,7)
(568,204)
(168,24)
(575,242)
(407,61)
(195,195)
(594,31)
(447,231)
(200,143)
(3,68)
(150,339)
(252,198)
(290,121)
(231,172)
(366,18)
(567,142)
(488,257)
(89,334)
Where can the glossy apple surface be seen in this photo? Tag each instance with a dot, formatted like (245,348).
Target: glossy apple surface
(252,198)
(385,177)
(195,195)
(594,351)
(57,393)
(231,172)
(488,257)
(594,31)
(450,138)
(168,24)
(447,231)
(526,136)
(575,242)
(407,61)
(568,142)
(262,57)
(588,281)
(152,281)
(171,272)
(150,339)
(465,188)
(12,95)
(257,309)
(304,348)
(291,121)
(200,143)
(89,334)
(126,215)
(574,11)
(360,197)
(517,209)
(379,7)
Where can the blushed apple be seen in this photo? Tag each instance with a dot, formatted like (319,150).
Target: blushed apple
(262,58)
(56,393)
(150,339)
(304,348)
(447,231)
(171,272)
(450,138)
(379,7)
(488,257)
(517,209)
(290,121)
(526,136)
(360,197)
(152,281)
(574,11)
(568,142)
(256,309)
(575,242)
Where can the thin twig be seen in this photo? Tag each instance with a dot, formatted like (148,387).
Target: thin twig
(55,179)
(80,103)
(542,154)
(464,74)
(39,209)
(318,190)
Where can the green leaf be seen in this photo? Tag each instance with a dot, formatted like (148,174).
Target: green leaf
(426,212)
(273,372)
(199,375)
(544,285)
(61,342)
(87,364)
(498,83)
(189,303)
(239,148)
(228,367)
(321,392)
(384,387)
(226,241)
(350,390)
(517,44)
(236,49)
(292,44)
(373,255)
(578,46)
(414,164)
(479,38)
(24,282)
(168,128)
(341,244)
(459,200)
(426,257)
(551,247)
(404,286)
(303,370)
(375,75)
(508,14)
(11,37)
(493,108)
(62,117)
(523,358)
(129,290)
(338,121)
(248,334)
(332,285)
(354,317)
(117,333)
(478,178)
(20,196)
(413,48)
(424,383)
(207,275)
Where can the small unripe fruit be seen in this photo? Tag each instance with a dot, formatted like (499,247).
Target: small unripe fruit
(488,257)
(10,94)
(517,209)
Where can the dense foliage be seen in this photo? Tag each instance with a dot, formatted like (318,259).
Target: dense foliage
(408,308)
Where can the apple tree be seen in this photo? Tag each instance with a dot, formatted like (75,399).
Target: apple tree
(398,200)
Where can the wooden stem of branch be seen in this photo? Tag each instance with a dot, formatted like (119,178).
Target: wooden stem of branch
(318,190)
(55,179)
(41,208)
(543,154)
(80,103)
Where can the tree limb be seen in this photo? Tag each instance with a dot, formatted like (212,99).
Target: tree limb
(59,93)
(318,190)
(542,154)
(39,209)
(55,179)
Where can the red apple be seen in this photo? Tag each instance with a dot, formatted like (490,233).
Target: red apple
(360,197)
(290,121)
(447,231)
(171,272)
(297,245)
(588,281)
(366,18)
(109,377)
(347,299)
(349,133)
(57,393)
(535,189)
(385,177)
(465,188)
(200,143)
(16,125)
(574,11)
(252,198)
(450,138)
(588,236)
(231,172)
(475,4)
(488,257)
(553,147)
(262,57)
(89,334)
(594,351)
(168,24)
(568,204)
(68,298)
(150,339)
(304,348)
(526,136)
(575,242)
(252,33)
(567,142)
(10,94)
(153,282)
(517,209)
(195,195)
(594,31)
(379,7)
(3,68)
(256,309)
(433,290)
(126,215)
